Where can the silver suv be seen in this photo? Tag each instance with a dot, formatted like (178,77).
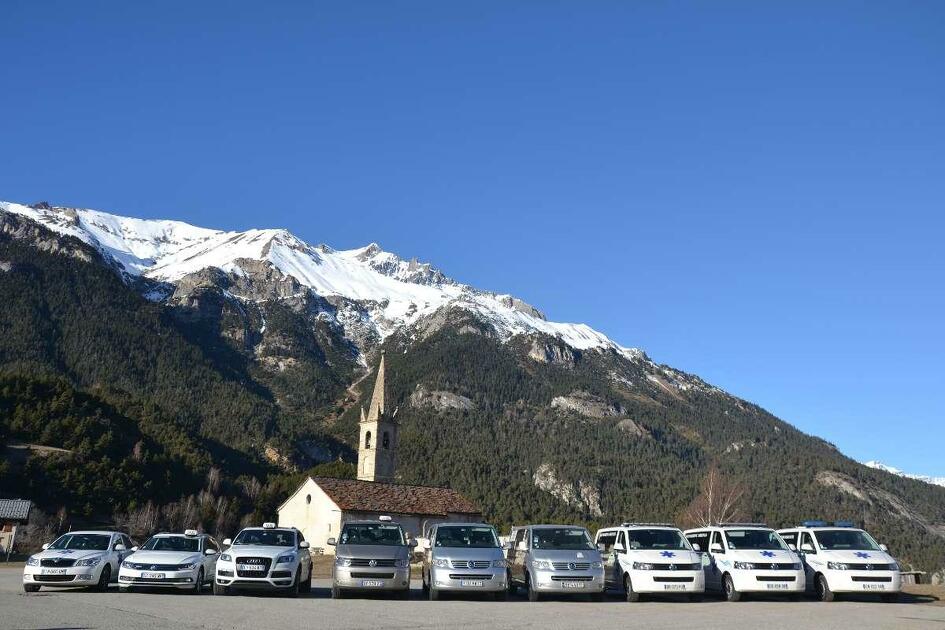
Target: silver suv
(555,559)
(371,555)
(464,557)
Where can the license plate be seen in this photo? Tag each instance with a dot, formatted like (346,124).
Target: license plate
(370,583)
(152,576)
(52,571)
(674,587)
(572,584)
(471,583)
(251,567)
(777,587)
(874,587)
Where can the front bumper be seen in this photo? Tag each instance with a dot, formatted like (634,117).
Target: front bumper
(577,582)
(164,579)
(668,582)
(372,578)
(472,580)
(863,581)
(69,576)
(761,581)
(276,578)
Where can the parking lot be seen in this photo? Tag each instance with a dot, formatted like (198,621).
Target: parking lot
(75,609)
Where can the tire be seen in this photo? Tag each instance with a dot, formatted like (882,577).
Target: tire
(501,596)
(104,578)
(512,588)
(336,592)
(632,595)
(198,585)
(890,598)
(533,595)
(306,586)
(433,593)
(293,591)
(31,588)
(822,589)
(219,589)
(728,587)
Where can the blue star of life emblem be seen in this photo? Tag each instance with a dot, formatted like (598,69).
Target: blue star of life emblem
(667,554)
(767,554)
(862,554)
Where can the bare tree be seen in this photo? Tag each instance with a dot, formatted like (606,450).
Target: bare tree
(719,501)
(251,488)
(214,479)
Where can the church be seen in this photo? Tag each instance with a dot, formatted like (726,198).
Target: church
(321,504)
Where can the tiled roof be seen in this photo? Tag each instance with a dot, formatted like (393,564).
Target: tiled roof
(373,496)
(15,509)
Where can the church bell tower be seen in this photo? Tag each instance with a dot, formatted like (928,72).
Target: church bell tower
(377,448)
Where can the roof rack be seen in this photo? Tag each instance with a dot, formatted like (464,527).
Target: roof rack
(742,525)
(635,524)
(814,523)
(843,524)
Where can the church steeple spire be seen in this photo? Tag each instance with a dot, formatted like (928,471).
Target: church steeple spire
(377,448)
(376,410)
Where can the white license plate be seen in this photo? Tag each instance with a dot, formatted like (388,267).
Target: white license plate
(777,587)
(572,584)
(471,583)
(370,583)
(251,567)
(152,576)
(52,571)
(674,587)
(874,587)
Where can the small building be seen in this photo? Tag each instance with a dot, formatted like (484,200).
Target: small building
(321,504)
(13,512)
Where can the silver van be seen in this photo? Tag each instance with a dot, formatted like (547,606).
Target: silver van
(464,557)
(555,559)
(371,556)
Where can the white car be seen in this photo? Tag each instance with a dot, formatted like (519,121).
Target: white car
(840,558)
(650,558)
(182,561)
(88,559)
(748,558)
(265,558)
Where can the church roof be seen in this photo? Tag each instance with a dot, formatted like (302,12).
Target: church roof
(15,509)
(372,496)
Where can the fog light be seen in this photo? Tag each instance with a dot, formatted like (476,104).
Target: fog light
(124,578)
(84,576)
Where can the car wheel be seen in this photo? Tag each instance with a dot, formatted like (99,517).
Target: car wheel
(512,588)
(632,595)
(31,588)
(104,578)
(890,598)
(198,584)
(336,592)
(729,587)
(293,590)
(533,595)
(824,593)
(307,584)
(433,593)
(219,589)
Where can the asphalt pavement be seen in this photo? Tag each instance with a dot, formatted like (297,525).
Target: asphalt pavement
(76,609)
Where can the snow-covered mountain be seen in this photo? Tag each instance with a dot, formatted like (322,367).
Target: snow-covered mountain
(937,481)
(394,293)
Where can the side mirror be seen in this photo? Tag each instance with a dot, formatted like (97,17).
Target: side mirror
(304,544)
(331,542)
(46,546)
(716,548)
(135,548)
(620,548)
(506,545)
(884,548)
(792,546)
(227,542)
(807,548)
(601,547)
(412,543)
(119,547)
(522,546)
(696,548)
(211,552)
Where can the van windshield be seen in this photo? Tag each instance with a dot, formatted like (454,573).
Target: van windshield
(841,539)
(656,539)
(372,534)
(754,539)
(466,536)
(561,538)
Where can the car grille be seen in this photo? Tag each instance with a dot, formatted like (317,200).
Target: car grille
(776,578)
(471,564)
(676,567)
(266,562)
(571,578)
(54,578)
(673,578)
(869,567)
(470,576)
(372,574)
(140,566)
(878,578)
(366,562)
(57,562)
(571,566)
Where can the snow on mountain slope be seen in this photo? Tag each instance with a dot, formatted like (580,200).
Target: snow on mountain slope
(937,481)
(403,291)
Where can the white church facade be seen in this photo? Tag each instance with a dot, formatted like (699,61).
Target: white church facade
(320,505)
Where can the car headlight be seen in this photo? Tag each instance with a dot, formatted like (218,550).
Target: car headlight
(597,565)
(642,566)
(403,563)
(288,558)
(341,561)
(894,566)
(88,562)
(225,557)
(32,562)
(441,562)
(126,565)
(500,564)
(837,566)
(188,567)
(797,566)
(541,565)
(745,565)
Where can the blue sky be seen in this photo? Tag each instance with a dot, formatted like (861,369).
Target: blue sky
(749,191)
